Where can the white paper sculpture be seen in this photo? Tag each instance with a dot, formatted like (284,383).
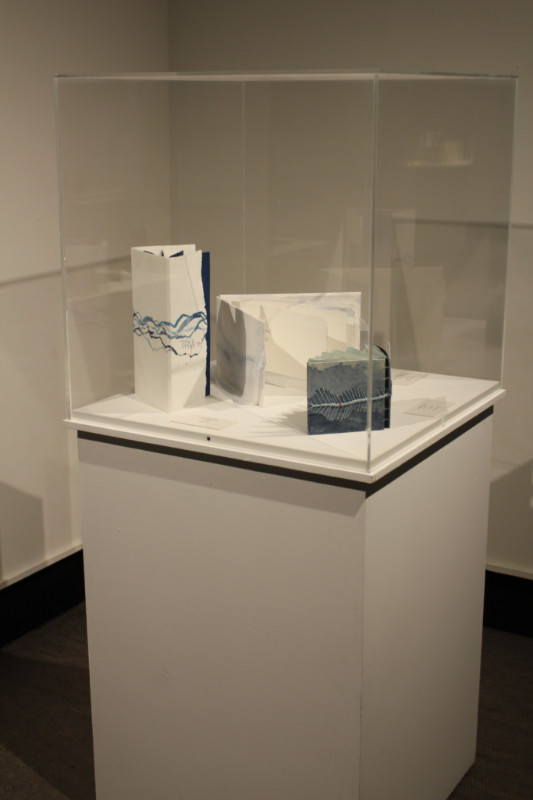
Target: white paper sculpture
(170,286)
(270,338)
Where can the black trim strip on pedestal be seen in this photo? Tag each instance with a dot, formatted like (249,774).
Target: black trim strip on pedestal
(368,488)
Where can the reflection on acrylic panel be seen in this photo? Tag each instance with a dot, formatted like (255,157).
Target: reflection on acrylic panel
(241,354)
(269,338)
(337,391)
(170,288)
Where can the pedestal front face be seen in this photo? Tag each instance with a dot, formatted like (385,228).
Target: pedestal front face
(258,635)
(225,626)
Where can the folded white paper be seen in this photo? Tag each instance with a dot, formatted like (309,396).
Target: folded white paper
(270,338)
(170,286)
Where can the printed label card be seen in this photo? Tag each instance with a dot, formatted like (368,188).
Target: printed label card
(436,407)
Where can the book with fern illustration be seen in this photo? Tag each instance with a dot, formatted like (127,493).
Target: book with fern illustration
(337,391)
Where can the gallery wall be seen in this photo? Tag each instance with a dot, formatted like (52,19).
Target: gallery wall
(39,521)
(476,36)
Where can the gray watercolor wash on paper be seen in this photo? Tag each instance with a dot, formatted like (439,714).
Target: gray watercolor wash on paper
(337,391)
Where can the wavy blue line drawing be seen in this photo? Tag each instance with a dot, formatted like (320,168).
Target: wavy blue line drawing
(174,255)
(184,337)
(340,406)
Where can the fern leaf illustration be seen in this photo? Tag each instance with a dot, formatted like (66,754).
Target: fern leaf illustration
(339,406)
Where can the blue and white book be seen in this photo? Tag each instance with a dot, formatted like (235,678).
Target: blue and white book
(339,385)
(170,288)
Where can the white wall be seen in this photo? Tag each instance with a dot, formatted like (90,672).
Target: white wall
(473,36)
(38,497)
(38,512)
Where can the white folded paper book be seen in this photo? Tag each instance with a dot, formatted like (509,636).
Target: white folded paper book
(170,287)
(270,338)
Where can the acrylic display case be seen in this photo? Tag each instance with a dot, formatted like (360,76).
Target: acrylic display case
(393,186)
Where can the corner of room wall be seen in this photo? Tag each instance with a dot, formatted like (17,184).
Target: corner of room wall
(39,522)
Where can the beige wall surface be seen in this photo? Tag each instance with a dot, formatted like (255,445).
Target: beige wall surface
(454,36)
(38,482)
(38,489)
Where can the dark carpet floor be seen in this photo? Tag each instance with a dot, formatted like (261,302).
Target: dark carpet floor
(45,718)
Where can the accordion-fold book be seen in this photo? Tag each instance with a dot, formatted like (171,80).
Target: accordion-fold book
(170,288)
(269,338)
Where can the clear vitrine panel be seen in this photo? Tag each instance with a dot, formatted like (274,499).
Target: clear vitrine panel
(381,198)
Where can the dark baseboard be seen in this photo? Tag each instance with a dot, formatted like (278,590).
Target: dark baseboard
(50,591)
(508,603)
(30,602)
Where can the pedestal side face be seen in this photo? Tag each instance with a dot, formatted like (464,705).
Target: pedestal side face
(225,629)
(424,576)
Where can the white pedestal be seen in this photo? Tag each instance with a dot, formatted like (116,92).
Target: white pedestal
(259,635)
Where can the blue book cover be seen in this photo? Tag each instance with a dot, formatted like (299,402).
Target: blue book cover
(337,391)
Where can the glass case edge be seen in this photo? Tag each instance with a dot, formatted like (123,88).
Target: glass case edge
(66,345)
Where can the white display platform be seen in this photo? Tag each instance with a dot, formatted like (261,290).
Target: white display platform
(276,433)
(275,636)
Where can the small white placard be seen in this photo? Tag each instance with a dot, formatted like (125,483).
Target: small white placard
(429,408)
(407,378)
(204,421)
